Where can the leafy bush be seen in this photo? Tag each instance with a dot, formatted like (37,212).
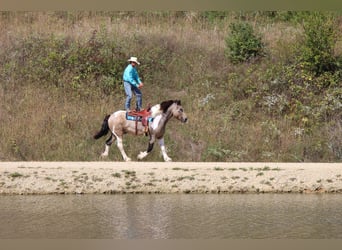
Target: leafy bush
(317,52)
(64,61)
(242,43)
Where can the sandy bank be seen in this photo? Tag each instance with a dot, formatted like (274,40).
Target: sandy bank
(161,177)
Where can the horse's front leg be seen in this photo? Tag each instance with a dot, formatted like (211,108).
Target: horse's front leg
(150,147)
(163,150)
(142,155)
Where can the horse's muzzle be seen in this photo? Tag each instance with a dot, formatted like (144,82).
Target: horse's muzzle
(184,120)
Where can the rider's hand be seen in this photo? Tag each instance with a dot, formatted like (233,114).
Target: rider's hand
(141,85)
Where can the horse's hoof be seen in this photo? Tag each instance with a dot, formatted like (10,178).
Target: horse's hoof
(103,155)
(168,159)
(142,155)
(128,159)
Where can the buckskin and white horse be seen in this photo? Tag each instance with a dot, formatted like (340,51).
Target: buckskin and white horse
(152,122)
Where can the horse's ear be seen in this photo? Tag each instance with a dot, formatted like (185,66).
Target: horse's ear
(178,102)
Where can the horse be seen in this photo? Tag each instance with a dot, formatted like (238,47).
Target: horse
(118,124)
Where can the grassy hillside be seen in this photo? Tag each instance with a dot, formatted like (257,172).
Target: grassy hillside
(60,74)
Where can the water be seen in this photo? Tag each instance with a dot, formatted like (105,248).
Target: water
(172,216)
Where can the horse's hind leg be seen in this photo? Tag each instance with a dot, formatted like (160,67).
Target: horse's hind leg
(120,147)
(108,144)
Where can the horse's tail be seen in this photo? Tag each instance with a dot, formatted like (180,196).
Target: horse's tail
(104,129)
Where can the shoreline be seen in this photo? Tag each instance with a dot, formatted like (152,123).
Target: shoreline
(106,177)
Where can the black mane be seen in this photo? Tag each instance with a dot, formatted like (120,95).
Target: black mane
(166,104)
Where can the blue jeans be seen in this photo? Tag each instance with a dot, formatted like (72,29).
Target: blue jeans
(130,90)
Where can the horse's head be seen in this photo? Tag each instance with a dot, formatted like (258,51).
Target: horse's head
(176,109)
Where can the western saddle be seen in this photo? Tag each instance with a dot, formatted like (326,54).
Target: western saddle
(141,116)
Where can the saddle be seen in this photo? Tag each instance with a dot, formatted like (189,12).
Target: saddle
(143,116)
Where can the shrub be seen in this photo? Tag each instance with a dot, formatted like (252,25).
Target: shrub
(317,52)
(243,44)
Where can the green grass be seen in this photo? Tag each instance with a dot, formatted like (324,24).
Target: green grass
(191,178)
(129,173)
(15,175)
(116,175)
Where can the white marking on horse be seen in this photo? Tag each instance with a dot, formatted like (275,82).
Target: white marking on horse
(156,121)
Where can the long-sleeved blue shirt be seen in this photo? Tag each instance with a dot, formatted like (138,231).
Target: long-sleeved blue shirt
(131,75)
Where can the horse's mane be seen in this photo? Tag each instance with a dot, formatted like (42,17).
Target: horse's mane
(166,104)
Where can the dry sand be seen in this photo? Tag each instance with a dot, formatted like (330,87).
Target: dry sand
(161,177)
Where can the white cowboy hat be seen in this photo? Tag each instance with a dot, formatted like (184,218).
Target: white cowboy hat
(134,59)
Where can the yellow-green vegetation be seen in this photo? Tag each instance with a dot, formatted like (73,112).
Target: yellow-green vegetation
(257,86)
(15,175)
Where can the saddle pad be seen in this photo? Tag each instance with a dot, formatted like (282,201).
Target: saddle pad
(137,118)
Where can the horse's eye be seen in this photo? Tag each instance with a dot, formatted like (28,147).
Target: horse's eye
(180,110)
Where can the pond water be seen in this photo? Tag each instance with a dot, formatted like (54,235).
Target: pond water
(172,216)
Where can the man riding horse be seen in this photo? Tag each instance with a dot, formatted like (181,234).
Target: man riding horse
(132,84)
(118,124)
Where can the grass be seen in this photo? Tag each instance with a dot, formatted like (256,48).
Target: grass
(15,175)
(96,179)
(191,178)
(54,180)
(183,169)
(129,173)
(60,74)
(116,175)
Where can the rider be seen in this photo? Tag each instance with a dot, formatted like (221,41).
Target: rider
(132,84)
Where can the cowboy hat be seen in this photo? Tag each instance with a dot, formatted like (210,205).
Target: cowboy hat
(134,59)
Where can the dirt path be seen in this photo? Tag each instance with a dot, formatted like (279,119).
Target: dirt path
(161,177)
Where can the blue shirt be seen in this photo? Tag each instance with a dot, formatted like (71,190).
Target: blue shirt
(131,75)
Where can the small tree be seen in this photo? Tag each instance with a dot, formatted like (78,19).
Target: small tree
(317,52)
(242,43)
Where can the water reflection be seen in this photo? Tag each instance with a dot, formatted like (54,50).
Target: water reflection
(174,216)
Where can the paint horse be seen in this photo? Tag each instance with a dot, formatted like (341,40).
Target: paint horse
(120,123)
